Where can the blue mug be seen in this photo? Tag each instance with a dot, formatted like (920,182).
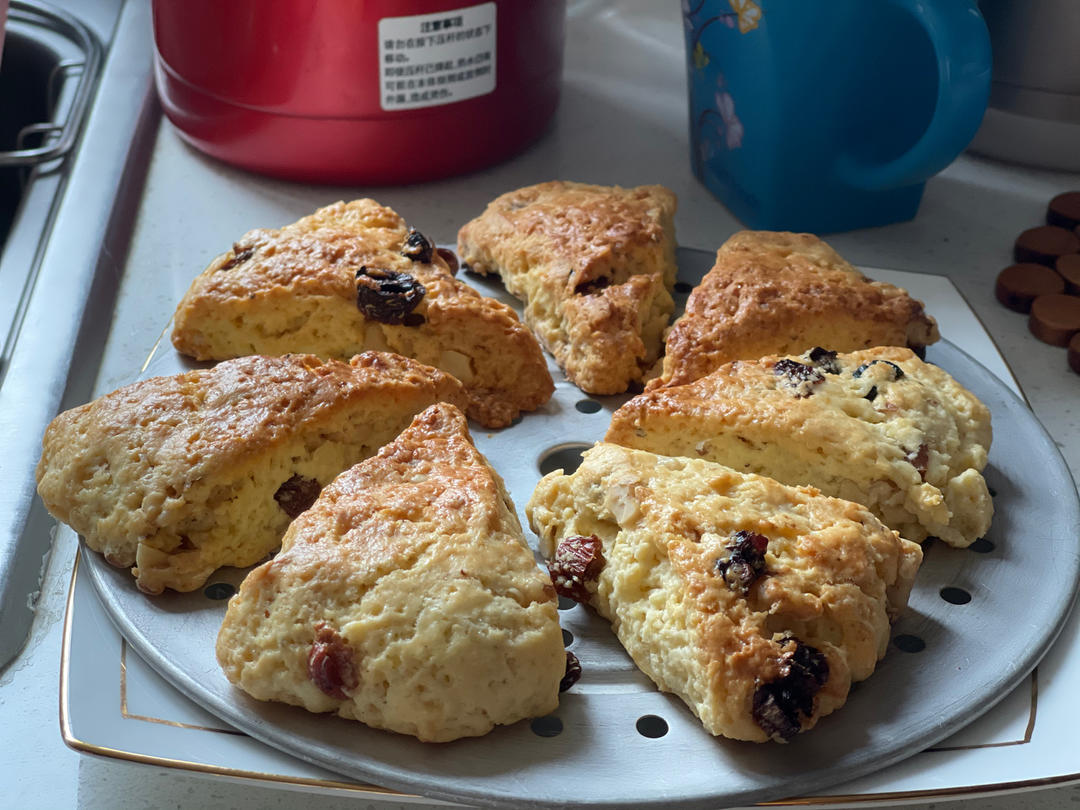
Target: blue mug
(830,116)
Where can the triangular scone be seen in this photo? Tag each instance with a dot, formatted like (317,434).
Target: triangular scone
(782,293)
(352,277)
(405,598)
(879,427)
(595,266)
(181,475)
(756,603)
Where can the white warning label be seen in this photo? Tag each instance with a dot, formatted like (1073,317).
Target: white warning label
(431,59)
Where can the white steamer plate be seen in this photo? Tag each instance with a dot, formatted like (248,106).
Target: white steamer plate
(978,621)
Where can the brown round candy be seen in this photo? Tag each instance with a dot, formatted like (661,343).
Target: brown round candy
(1074,353)
(1064,210)
(1020,284)
(1068,267)
(1044,244)
(1055,319)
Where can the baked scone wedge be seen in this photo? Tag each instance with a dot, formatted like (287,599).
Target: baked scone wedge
(595,266)
(352,277)
(405,598)
(879,427)
(783,293)
(756,603)
(181,475)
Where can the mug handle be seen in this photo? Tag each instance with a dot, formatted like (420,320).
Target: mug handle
(961,45)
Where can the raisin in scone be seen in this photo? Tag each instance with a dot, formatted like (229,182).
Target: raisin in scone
(181,475)
(405,598)
(782,293)
(756,603)
(595,266)
(352,277)
(879,427)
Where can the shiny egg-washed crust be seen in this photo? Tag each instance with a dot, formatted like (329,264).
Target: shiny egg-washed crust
(294,290)
(178,475)
(911,448)
(595,266)
(834,578)
(415,562)
(782,293)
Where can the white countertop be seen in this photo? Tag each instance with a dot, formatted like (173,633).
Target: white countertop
(622,120)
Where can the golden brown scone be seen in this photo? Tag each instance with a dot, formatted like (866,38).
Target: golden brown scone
(405,598)
(782,293)
(756,603)
(352,277)
(595,266)
(879,427)
(181,475)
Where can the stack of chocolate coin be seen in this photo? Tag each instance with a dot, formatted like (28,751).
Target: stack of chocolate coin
(1044,283)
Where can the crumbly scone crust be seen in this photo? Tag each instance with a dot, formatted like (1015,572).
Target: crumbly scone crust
(834,577)
(912,449)
(416,561)
(294,290)
(595,266)
(177,475)
(782,293)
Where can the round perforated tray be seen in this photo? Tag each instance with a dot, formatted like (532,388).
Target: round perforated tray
(978,621)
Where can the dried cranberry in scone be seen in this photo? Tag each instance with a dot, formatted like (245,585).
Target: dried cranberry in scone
(742,560)
(331,664)
(576,566)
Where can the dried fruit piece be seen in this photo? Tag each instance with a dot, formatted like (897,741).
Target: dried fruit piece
(578,562)
(777,704)
(898,373)
(240,255)
(743,560)
(799,376)
(573,672)
(297,494)
(920,460)
(386,296)
(450,258)
(417,247)
(331,665)
(824,359)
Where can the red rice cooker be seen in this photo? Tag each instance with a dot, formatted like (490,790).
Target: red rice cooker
(359,91)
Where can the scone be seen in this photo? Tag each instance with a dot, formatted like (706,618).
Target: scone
(756,603)
(595,266)
(879,427)
(783,293)
(405,598)
(181,475)
(352,277)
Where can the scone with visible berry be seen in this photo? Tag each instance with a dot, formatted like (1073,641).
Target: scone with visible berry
(879,427)
(756,603)
(595,266)
(352,277)
(783,293)
(178,476)
(405,598)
